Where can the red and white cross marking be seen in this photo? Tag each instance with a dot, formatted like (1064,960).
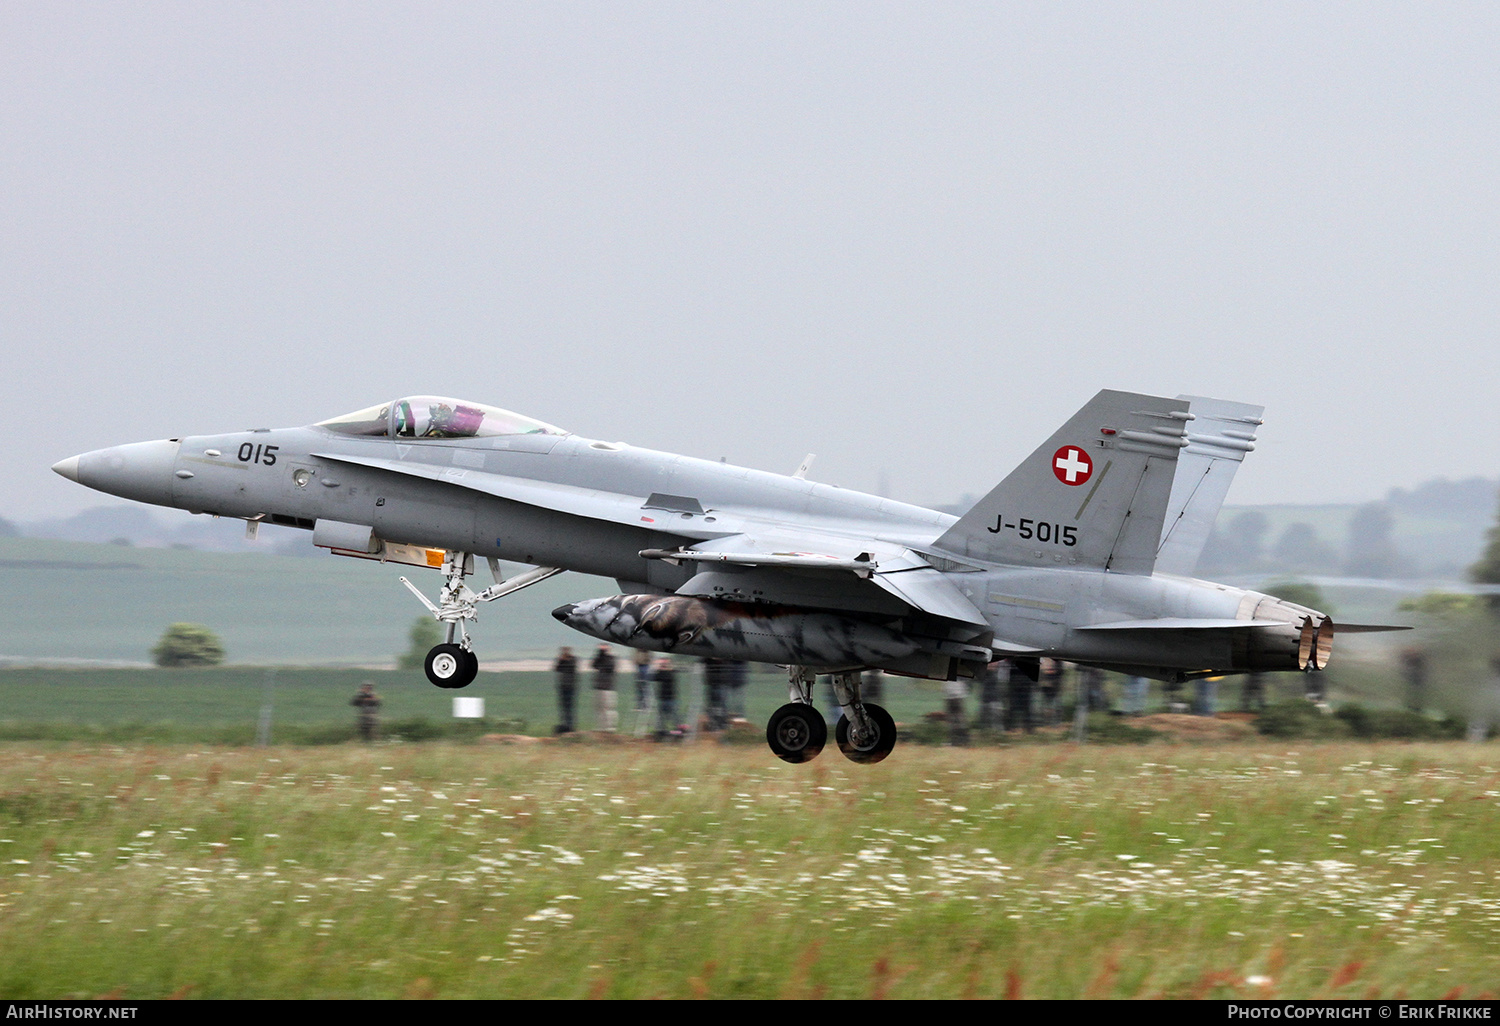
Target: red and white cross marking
(1072,465)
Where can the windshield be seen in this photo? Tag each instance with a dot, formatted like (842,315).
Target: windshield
(374,421)
(433,416)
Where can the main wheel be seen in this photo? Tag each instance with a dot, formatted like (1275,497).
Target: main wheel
(870,749)
(449,666)
(796,732)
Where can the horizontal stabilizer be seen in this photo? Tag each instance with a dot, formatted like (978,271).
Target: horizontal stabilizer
(1367,628)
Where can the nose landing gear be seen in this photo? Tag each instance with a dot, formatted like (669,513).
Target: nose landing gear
(453,664)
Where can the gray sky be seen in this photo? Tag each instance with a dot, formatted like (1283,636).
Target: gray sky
(912,238)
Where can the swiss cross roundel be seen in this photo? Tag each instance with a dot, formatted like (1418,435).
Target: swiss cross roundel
(1072,465)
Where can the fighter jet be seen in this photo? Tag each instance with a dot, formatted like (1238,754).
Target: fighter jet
(1083,553)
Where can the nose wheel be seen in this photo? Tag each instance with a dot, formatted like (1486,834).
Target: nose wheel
(796,732)
(450,666)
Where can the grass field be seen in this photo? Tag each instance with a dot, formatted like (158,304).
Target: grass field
(559,869)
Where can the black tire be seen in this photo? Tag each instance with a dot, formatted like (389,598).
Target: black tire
(471,667)
(796,732)
(448,666)
(873,749)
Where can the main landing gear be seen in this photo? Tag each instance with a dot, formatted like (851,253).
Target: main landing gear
(797,733)
(453,664)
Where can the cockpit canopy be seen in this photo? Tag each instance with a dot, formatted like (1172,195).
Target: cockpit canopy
(434,416)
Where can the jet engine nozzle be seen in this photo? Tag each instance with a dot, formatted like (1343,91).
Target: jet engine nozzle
(1305,642)
(1314,643)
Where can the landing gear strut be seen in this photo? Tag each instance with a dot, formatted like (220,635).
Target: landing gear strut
(453,664)
(865,733)
(872,745)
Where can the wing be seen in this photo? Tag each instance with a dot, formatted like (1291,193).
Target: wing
(822,570)
(743,556)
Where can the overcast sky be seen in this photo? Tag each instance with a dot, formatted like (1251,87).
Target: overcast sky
(911,238)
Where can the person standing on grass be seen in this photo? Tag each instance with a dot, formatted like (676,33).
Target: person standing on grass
(739,675)
(368,706)
(1051,687)
(642,680)
(1414,672)
(716,687)
(666,697)
(991,705)
(605,714)
(566,668)
(954,693)
(1253,692)
(1018,700)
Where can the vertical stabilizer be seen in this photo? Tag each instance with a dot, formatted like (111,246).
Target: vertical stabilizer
(1094,495)
(1221,434)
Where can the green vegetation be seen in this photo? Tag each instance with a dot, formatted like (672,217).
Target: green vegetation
(1352,720)
(565,870)
(424,634)
(1301,593)
(188,644)
(224,705)
(1487,569)
(1440,606)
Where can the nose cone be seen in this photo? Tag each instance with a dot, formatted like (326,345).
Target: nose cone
(140,471)
(68,468)
(602,618)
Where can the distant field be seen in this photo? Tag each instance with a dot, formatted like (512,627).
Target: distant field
(311,704)
(565,870)
(224,703)
(110,602)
